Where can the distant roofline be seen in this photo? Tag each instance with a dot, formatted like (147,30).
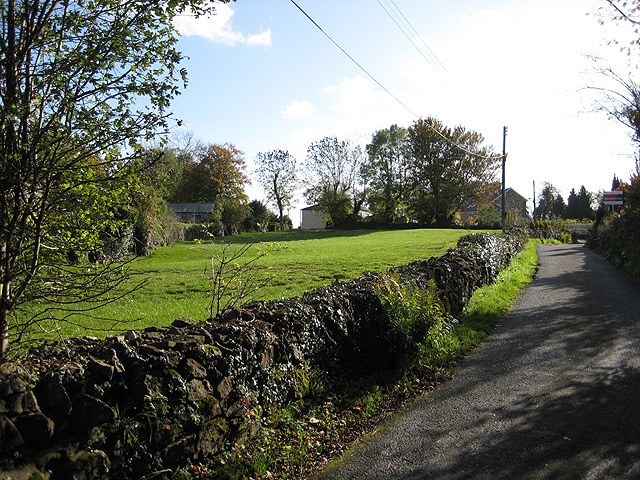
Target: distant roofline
(312,207)
(191,207)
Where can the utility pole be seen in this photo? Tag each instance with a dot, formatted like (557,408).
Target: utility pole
(533,215)
(504,161)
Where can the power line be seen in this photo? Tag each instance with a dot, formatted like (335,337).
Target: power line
(435,130)
(420,38)
(354,60)
(401,28)
(402,23)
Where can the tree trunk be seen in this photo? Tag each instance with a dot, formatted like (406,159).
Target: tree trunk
(281,212)
(4,334)
(4,319)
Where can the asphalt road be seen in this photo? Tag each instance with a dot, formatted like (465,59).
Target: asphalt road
(554,393)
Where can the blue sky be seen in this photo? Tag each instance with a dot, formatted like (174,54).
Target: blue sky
(262,76)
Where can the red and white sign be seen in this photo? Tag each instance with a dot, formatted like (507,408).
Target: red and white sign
(613,198)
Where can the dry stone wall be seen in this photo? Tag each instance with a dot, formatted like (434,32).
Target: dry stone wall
(142,404)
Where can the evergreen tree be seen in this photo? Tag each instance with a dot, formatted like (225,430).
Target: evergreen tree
(579,205)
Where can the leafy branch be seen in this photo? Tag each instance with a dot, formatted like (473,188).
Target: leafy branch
(235,274)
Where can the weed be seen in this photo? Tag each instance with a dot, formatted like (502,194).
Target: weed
(235,275)
(155,407)
(418,320)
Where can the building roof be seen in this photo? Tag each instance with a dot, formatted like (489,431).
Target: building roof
(312,207)
(497,200)
(191,207)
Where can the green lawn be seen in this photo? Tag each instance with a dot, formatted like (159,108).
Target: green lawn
(178,279)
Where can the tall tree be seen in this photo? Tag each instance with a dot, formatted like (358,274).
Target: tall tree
(385,173)
(448,168)
(216,172)
(550,203)
(82,83)
(579,205)
(334,166)
(276,172)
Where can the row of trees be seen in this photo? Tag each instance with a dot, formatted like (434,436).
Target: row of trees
(194,172)
(425,172)
(579,205)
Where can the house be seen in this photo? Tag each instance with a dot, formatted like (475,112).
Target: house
(312,218)
(192,212)
(516,205)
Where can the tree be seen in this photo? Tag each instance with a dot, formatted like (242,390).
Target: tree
(334,165)
(448,168)
(216,172)
(159,172)
(550,203)
(276,172)
(231,212)
(620,100)
(82,83)
(624,12)
(259,217)
(385,173)
(615,184)
(579,205)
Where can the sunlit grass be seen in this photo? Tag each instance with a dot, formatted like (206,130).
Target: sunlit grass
(491,303)
(178,277)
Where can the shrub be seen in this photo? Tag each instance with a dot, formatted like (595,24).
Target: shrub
(419,322)
(554,228)
(203,232)
(489,217)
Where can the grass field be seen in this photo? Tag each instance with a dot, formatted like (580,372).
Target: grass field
(178,277)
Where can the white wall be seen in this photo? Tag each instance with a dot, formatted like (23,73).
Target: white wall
(311,219)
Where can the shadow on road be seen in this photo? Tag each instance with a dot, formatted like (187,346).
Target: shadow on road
(553,393)
(572,432)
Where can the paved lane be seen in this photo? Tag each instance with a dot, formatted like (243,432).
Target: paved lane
(554,393)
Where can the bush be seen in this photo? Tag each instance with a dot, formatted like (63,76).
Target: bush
(419,322)
(550,229)
(617,236)
(489,217)
(203,231)
(167,231)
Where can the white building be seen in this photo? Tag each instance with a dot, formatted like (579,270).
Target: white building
(312,218)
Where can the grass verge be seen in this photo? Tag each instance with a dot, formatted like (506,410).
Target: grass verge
(304,437)
(490,303)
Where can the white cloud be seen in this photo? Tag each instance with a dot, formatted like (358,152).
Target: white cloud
(359,107)
(218,28)
(298,110)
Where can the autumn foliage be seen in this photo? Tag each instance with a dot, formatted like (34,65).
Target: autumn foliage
(215,172)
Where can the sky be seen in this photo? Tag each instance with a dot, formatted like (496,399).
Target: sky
(262,76)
